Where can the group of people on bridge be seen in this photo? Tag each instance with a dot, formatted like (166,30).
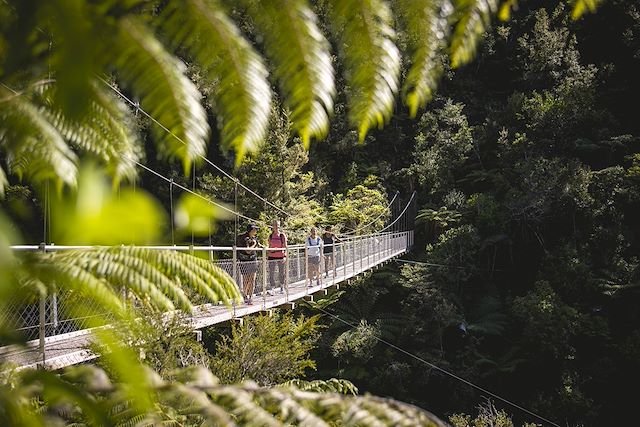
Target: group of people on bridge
(316,247)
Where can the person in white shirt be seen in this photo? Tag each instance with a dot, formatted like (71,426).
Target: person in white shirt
(314,248)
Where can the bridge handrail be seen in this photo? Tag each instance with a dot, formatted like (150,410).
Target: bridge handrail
(54,248)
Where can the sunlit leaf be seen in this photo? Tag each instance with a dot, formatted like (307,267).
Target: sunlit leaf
(242,94)
(97,215)
(157,79)
(371,60)
(303,69)
(195,214)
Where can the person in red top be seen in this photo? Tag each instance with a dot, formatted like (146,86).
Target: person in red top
(277,259)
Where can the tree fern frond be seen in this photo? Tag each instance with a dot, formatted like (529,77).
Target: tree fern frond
(427,27)
(224,284)
(580,7)
(239,401)
(289,410)
(140,273)
(332,385)
(358,414)
(242,94)
(3,182)
(473,18)
(302,62)
(206,279)
(71,276)
(34,148)
(134,421)
(55,390)
(158,79)
(158,277)
(371,58)
(364,410)
(412,415)
(212,403)
(192,401)
(104,132)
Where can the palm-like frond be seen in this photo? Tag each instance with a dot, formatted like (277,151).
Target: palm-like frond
(242,94)
(157,78)
(3,181)
(159,277)
(473,18)
(426,26)
(33,146)
(192,395)
(332,385)
(371,59)
(304,71)
(580,7)
(206,279)
(104,131)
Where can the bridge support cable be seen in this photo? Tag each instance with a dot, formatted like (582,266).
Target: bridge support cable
(175,184)
(364,227)
(400,217)
(204,158)
(442,370)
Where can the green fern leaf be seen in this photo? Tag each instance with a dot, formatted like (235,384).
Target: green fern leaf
(206,279)
(242,94)
(103,132)
(159,278)
(302,62)
(47,270)
(3,182)
(372,60)
(473,18)
(332,385)
(145,269)
(34,148)
(158,79)
(580,7)
(192,401)
(426,27)
(241,404)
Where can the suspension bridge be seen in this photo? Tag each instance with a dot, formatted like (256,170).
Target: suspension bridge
(58,340)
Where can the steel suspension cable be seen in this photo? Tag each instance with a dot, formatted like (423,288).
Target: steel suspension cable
(442,370)
(221,206)
(352,232)
(218,168)
(401,213)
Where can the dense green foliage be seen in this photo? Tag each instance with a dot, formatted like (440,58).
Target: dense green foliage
(525,166)
(266,350)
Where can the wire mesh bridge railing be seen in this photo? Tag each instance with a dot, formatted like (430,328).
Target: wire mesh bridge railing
(58,338)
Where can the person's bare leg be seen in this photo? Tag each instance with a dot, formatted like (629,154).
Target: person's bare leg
(252,284)
(245,287)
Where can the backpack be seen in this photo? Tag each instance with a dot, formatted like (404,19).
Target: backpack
(277,254)
(281,237)
(313,246)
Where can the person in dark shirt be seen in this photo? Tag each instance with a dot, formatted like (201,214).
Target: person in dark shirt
(329,239)
(248,261)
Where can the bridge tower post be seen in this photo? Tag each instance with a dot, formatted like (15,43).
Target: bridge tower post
(42,319)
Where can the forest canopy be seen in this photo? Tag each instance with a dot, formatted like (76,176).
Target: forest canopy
(510,121)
